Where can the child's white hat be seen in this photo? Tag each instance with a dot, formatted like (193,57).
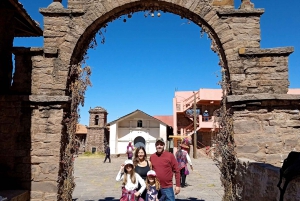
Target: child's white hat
(151,173)
(128,162)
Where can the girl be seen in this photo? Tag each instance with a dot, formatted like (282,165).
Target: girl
(130,182)
(153,187)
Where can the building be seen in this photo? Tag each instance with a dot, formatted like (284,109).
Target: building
(183,114)
(207,101)
(139,128)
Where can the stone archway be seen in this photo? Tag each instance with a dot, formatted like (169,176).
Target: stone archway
(257,80)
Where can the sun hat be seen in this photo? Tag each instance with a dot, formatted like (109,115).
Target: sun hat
(151,173)
(160,139)
(128,162)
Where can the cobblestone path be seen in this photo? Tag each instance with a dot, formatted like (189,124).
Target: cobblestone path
(95,180)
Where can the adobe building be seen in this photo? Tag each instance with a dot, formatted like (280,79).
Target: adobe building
(207,101)
(137,127)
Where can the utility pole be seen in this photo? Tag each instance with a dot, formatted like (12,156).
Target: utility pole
(195,128)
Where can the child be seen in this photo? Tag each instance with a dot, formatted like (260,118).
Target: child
(130,182)
(153,187)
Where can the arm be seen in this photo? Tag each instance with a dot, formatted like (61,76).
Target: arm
(161,197)
(189,160)
(150,165)
(175,170)
(142,183)
(120,174)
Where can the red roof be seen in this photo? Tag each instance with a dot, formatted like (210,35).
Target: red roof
(166,119)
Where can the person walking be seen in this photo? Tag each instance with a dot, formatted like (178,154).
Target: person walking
(153,187)
(165,165)
(107,154)
(141,165)
(129,150)
(183,158)
(130,182)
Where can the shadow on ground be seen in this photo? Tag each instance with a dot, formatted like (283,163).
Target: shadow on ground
(117,199)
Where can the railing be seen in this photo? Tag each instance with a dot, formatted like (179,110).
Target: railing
(187,103)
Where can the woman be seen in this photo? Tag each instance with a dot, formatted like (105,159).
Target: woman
(183,158)
(129,150)
(141,165)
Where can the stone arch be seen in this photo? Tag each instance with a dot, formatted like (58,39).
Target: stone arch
(100,21)
(90,20)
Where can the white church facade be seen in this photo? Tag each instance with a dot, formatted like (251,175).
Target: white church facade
(137,127)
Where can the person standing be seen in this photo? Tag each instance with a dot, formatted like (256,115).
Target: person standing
(183,158)
(129,150)
(130,182)
(141,165)
(205,115)
(153,188)
(165,165)
(107,154)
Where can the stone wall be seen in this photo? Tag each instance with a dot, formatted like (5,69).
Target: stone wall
(46,134)
(258,181)
(15,143)
(266,127)
(95,138)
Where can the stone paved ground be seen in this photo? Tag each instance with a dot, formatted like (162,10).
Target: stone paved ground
(95,180)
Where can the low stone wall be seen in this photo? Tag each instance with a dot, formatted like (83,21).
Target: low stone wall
(258,181)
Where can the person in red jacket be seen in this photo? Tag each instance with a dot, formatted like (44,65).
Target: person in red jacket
(165,165)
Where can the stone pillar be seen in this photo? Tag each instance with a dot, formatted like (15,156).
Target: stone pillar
(47,131)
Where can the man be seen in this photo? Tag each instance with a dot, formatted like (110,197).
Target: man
(107,153)
(165,165)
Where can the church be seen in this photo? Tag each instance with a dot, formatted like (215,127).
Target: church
(137,127)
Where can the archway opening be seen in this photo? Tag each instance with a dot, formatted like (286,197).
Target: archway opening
(125,16)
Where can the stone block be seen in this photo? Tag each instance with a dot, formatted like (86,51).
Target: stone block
(46,186)
(249,126)
(36,195)
(223,3)
(247,149)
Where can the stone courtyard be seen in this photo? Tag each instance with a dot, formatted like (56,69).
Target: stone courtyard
(95,180)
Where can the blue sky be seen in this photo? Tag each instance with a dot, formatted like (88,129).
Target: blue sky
(144,60)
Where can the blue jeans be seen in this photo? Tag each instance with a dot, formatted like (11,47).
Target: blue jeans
(169,194)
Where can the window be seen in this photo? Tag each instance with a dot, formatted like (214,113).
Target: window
(96,120)
(139,123)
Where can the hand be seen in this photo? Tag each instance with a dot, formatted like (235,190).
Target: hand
(192,168)
(122,167)
(177,190)
(137,194)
